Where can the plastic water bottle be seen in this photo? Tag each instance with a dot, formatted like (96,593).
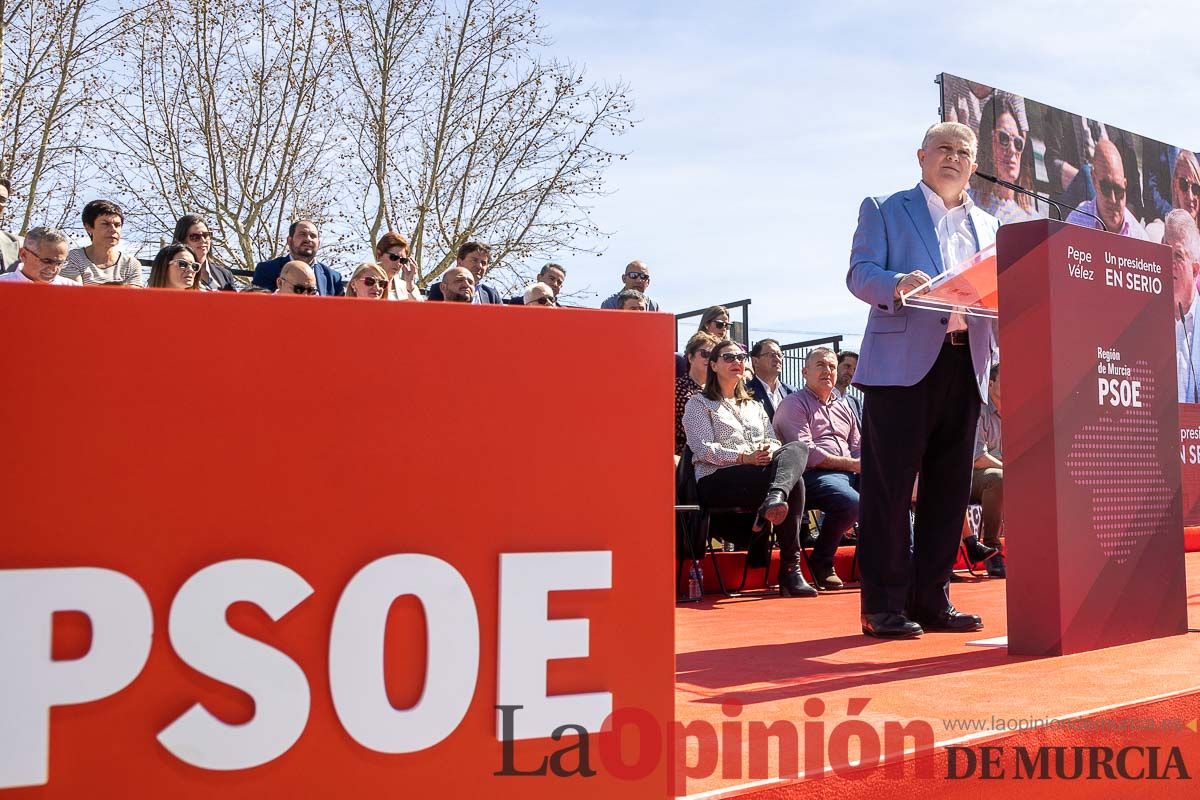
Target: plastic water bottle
(695,583)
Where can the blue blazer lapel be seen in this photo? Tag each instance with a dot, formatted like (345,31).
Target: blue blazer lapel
(918,211)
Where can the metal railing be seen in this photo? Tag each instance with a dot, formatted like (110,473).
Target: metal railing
(795,353)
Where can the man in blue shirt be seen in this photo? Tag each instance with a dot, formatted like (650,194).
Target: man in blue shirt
(302,242)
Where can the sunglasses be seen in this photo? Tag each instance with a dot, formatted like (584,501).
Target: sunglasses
(720,324)
(189,266)
(373,282)
(401,259)
(1015,142)
(301,288)
(1186,187)
(545,301)
(200,237)
(637,276)
(730,358)
(1108,187)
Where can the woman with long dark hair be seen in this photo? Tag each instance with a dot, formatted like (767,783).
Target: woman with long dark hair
(739,462)
(175,267)
(192,230)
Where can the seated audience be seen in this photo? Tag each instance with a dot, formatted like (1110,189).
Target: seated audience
(824,423)
(101,261)
(10,244)
(987,480)
(539,294)
(296,277)
(392,254)
(369,281)
(847,364)
(630,300)
(697,352)
(739,462)
(475,257)
(715,322)
(302,243)
(41,258)
(1111,185)
(1185,184)
(765,384)
(1182,237)
(175,267)
(192,230)
(553,275)
(637,277)
(457,286)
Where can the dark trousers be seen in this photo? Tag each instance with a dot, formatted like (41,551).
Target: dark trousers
(836,493)
(927,428)
(746,486)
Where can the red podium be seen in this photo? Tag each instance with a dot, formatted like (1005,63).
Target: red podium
(1091,465)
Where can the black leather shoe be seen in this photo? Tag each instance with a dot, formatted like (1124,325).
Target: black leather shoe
(950,621)
(774,509)
(792,584)
(996,568)
(977,551)
(886,625)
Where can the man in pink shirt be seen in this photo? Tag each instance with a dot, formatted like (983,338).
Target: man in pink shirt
(820,417)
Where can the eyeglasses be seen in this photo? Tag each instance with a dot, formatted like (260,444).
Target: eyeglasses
(402,259)
(720,324)
(301,288)
(771,355)
(49,262)
(200,237)
(1108,187)
(1015,142)
(729,358)
(637,276)
(189,266)
(545,301)
(1188,187)
(373,282)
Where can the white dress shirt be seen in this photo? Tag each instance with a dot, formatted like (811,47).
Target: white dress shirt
(956,241)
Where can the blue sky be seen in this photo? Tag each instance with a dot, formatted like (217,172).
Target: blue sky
(764,124)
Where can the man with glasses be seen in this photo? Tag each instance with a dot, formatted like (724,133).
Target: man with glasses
(637,277)
(42,257)
(10,245)
(539,294)
(766,386)
(296,277)
(1111,185)
(302,243)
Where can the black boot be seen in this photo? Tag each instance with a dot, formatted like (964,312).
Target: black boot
(977,551)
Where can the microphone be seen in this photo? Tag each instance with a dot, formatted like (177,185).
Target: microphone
(1187,343)
(1022,190)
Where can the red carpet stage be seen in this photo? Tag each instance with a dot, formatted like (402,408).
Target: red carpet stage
(804,662)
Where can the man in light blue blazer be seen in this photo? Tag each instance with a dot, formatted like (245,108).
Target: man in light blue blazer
(925,375)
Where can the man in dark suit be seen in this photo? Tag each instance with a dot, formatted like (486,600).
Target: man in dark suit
(925,375)
(475,257)
(766,386)
(302,242)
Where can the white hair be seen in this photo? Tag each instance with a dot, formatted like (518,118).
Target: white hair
(953,129)
(533,287)
(1181,228)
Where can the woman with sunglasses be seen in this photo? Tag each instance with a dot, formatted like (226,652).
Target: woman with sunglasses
(697,352)
(175,267)
(192,230)
(1005,152)
(391,252)
(715,322)
(739,462)
(1185,184)
(369,281)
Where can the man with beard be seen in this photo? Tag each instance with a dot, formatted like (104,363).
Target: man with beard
(302,242)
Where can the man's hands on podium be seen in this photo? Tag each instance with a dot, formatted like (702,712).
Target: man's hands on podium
(910,281)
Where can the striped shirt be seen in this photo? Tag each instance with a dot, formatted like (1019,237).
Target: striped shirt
(127,270)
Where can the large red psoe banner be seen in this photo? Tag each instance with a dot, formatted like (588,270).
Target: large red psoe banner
(263,546)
